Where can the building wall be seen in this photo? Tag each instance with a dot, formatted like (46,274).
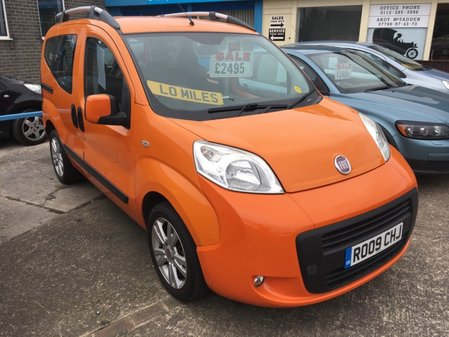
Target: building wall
(20,54)
(289,9)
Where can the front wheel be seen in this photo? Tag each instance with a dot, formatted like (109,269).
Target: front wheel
(66,173)
(173,252)
(29,131)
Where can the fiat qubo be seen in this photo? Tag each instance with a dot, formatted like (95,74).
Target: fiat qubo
(248,181)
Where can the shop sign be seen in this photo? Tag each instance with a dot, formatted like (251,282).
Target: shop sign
(276,31)
(399,15)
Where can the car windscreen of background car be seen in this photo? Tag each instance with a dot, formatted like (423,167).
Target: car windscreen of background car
(405,61)
(188,75)
(352,72)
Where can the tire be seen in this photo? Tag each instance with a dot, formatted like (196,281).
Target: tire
(29,131)
(173,252)
(66,173)
(411,53)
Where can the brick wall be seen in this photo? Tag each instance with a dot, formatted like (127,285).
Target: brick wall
(20,56)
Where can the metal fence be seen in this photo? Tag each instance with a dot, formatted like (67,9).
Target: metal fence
(11,117)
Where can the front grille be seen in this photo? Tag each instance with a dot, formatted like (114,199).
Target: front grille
(321,252)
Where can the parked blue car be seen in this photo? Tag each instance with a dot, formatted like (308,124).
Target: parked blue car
(415,119)
(408,70)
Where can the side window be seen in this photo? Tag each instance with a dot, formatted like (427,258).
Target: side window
(102,75)
(312,75)
(58,54)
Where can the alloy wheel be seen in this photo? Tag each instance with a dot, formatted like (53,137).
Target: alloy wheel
(56,155)
(33,129)
(169,253)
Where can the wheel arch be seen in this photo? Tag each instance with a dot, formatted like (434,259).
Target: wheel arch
(166,184)
(49,127)
(17,108)
(149,201)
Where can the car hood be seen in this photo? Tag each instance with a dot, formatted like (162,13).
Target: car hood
(438,74)
(412,103)
(299,144)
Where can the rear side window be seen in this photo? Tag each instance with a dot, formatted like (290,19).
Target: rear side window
(59,52)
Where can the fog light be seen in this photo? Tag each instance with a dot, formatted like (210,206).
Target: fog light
(258,280)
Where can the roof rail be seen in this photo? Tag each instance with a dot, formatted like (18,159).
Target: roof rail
(93,13)
(213,16)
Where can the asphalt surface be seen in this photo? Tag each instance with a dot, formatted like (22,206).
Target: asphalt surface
(73,264)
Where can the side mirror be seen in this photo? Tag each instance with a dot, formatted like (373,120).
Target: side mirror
(98,106)
(101,109)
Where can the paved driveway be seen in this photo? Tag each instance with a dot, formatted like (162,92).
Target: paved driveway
(73,264)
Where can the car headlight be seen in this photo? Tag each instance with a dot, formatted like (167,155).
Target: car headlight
(378,135)
(34,87)
(423,130)
(234,169)
(446,84)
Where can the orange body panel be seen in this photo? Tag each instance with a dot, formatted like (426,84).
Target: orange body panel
(238,235)
(252,226)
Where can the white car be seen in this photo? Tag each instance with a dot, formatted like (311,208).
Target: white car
(408,70)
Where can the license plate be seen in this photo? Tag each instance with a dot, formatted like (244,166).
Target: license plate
(366,249)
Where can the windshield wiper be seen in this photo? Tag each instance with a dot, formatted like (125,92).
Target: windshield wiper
(383,87)
(302,99)
(248,107)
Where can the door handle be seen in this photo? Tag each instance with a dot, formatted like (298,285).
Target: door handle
(73,113)
(80,119)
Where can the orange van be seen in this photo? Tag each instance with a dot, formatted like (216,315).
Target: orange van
(248,181)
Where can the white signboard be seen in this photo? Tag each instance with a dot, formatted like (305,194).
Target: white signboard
(399,15)
(276,31)
(406,41)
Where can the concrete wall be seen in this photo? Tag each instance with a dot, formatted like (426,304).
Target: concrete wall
(20,53)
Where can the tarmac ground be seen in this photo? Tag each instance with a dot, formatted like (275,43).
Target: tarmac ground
(73,264)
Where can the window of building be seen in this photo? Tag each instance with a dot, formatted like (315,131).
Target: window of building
(58,54)
(3,23)
(329,23)
(47,12)
(440,40)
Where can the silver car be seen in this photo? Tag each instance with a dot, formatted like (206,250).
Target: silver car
(408,70)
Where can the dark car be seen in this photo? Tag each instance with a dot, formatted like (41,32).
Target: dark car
(17,96)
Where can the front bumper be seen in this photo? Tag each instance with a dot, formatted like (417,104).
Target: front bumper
(425,156)
(258,235)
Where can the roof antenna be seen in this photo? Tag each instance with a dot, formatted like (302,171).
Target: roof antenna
(190,19)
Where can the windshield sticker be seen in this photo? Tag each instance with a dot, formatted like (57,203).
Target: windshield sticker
(185,94)
(298,89)
(343,71)
(232,63)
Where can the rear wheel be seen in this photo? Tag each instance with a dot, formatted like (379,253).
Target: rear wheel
(66,173)
(29,131)
(173,252)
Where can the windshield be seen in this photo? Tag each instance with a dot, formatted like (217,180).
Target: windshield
(406,62)
(351,72)
(213,75)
